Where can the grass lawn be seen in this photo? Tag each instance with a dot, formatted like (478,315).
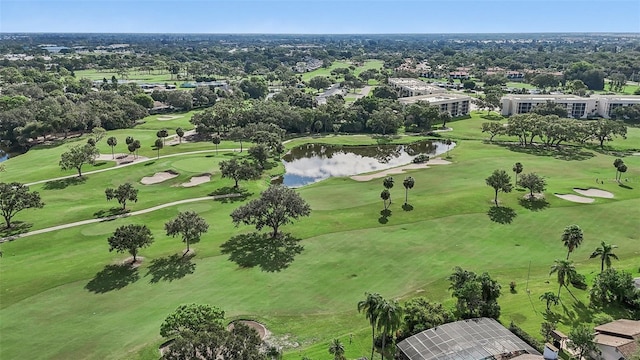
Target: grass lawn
(134,75)
(369,64)
(62,293)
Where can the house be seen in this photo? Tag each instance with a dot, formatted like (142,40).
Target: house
(454,104)
(617,340)
(473,339)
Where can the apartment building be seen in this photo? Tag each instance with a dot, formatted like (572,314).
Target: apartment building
(577,107)
(454,104)
(413,87)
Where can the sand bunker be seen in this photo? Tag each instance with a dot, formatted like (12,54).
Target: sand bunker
(168,117)
(594,193)
(400,170)
(158,177)
(575,198)
(261,329)
(197,180)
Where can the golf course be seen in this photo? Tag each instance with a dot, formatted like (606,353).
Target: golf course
(65,294)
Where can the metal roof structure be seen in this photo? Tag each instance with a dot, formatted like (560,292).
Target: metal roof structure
(473,339)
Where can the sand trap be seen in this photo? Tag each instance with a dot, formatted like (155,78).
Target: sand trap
(400,170)
(158,177)
(168,117)
(261,329)
(197,180)
(575,198)
(594,193)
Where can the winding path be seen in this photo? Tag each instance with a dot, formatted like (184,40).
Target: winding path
(114,217)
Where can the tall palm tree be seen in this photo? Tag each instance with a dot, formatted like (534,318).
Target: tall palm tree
(336,348)
(565,271)
(408,184)
(605,252)
(572,238)
(388,184)
(370,306)
(389,319)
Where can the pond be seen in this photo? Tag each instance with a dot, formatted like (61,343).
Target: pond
(311,163)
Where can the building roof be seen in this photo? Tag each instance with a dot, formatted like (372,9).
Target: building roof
(628,349)
(472,339)
(528,357)
(624,327)
(434,98)
(609,340)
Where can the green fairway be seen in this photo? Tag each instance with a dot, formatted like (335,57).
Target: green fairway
(369,64)
(62,293)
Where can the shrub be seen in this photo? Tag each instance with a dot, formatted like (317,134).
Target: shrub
(512,286)
(602,319)
(524,336)
(422,158)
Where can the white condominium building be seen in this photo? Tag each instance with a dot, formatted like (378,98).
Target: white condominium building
(577,107)
(413,87)
(454,104)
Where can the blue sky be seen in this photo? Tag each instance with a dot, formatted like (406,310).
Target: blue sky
(320,16)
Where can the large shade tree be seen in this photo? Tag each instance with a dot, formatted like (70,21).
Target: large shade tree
(77,156)
(189,225)
(499,181)
(276,206)
(130,238)
(15,197)
(122,193)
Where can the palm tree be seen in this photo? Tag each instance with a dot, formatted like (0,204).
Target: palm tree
(549,298)
(605,252)
(389,319)
(565,271)
(572,238)
(408,184)
(388,184)
(385,195)
(517,168)
(370,307)
(336,348)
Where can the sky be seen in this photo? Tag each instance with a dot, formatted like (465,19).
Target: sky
(319,16)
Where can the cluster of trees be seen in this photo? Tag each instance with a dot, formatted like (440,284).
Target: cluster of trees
(50,104)
(388,182)
(500,181)
(621,168)
(476,295)
(197,331)
(551,130)
(131,238)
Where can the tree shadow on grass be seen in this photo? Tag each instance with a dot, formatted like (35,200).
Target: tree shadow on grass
(256,249)
(64,183)
(407,207)
(501,214)
(241,194)
(171,268)
(493,117)
(111,212)
(534,204)
(17,228)
(384,216)
(99,163)
(150,163)
(113,277)
(567,153)
(624,186)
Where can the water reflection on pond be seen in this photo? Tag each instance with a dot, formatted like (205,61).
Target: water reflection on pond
(310,163)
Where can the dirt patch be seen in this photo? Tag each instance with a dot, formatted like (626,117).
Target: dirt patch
(129,261)
(537,196)
(168,117)
(158,177)
(575,198)
(594,193)
(261,329)
(400,170)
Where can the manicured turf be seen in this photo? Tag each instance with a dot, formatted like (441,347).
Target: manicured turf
(60,294)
